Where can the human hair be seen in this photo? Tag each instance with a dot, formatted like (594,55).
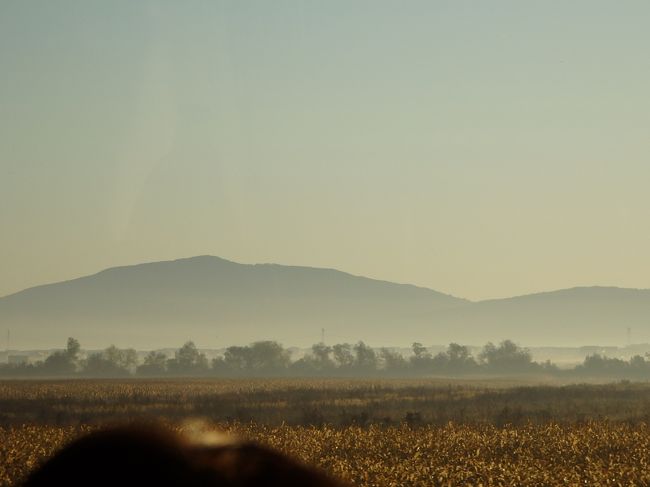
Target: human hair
(154,455)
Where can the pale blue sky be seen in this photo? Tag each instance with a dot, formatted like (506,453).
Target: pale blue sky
(483,149)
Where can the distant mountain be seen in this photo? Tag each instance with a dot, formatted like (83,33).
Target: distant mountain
(569,317)
(217,302)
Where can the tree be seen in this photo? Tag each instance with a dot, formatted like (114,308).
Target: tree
(317,362)
(269,357)
(459,358)
(97,365)
(111,362)
(421,359)
(604,366)
(393,362)
(365,358)
(63,362)
(72,350)
(507,357)
(237,359)
(124,358)
(155,363)
(260,358)
(321,354)
(638,365)
(343,355)
(188,360)
(420,351)
(58,363)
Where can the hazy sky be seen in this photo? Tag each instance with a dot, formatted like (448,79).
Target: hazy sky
(482,149)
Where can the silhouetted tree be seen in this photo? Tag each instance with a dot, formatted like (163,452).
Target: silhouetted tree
(188,360)
(365,359)
(321,354)
(72,349)
(269,357)
(343,355)
(317,362)
(236,359)
(638,365)
(507,357)
(459,359)
(421,360)
(600,366)
(155,363)
(63,362)
(260,358)
(393,362)
(111,362)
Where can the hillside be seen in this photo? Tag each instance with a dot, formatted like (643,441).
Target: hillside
(217,302)
(570,317)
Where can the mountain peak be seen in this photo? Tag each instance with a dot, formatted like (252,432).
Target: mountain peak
(217,302)
(204,297)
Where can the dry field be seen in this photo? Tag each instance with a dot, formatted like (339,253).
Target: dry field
(384,446)
(595,453)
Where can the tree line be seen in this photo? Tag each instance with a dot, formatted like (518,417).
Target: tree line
(269,358)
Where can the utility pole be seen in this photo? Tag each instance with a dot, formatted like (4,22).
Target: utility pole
(322,335)
(629,336)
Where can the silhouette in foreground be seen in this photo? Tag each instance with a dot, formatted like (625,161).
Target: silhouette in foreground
(148,455)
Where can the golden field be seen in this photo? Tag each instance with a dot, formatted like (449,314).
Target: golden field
(596,453)
(391,434)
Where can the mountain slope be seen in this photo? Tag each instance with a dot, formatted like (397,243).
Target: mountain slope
(569,317)
(217,302)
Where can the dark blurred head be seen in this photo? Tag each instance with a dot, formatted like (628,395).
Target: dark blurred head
(142,456)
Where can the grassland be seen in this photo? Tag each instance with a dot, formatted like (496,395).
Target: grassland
(379,433)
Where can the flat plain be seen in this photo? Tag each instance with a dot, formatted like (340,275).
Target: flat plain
(369,432)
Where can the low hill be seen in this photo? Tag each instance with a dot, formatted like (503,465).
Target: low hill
(569,317)
(217,302)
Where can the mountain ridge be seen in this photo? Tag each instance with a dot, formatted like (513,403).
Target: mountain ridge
(226,261)
(197,296)
(567,291)
(215,300)
(271,264)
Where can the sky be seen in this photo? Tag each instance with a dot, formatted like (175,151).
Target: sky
(482,149)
